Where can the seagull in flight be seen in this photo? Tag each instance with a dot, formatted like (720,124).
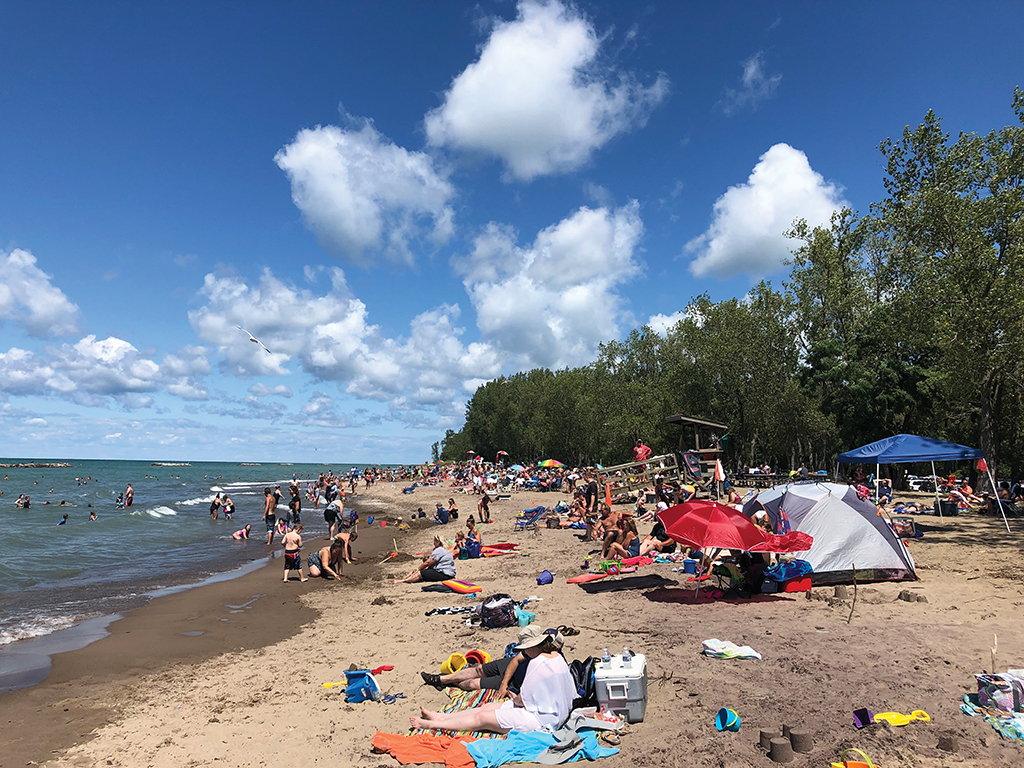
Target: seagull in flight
(253,339)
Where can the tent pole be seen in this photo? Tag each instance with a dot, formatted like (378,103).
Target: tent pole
(935,482)
(877,465)
(999,501)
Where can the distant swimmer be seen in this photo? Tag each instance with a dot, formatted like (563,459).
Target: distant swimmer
(253,339)
(63,520)
(119,504)
(242,533)
(92,516)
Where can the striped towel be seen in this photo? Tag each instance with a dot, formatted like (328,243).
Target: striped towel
(465,700)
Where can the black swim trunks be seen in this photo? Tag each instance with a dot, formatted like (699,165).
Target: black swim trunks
(293,561)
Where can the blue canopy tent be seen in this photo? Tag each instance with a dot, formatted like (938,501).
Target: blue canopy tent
(908,449)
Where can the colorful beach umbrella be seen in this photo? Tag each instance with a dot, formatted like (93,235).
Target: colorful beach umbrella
(707,524)
(517,467)
(548,463)
(502,453)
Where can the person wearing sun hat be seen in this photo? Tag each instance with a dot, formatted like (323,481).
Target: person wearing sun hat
(543,704)
(489,675)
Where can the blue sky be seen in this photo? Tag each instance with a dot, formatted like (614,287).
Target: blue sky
(405,199)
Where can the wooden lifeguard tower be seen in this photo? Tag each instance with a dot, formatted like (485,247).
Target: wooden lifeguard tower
(703,439)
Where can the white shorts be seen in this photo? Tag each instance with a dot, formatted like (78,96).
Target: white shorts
(516,718)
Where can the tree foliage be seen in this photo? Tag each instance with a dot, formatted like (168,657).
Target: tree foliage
(910,319)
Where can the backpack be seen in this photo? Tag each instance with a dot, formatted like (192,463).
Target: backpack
(583,679)
(498,611)
(472,548)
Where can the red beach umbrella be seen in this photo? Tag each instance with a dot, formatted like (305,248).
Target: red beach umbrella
(502,453)
(704,524)
(470,453)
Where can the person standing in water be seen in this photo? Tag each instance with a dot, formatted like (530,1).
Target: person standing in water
(269,515)
(229,508)
(292,542)
(129,495)
(215,507)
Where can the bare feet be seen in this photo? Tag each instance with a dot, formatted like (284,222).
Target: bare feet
(303,579)
(426,714)
(419,722)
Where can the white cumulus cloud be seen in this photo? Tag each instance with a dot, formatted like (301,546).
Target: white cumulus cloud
(661,324)
(537,97)
(329,335)
(361,194)
(29,298)
(746,231)
(551,303)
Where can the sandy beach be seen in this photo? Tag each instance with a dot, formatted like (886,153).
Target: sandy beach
(249,691)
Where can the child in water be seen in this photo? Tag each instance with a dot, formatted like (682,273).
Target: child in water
(242,533)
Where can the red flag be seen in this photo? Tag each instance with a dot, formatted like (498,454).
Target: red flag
(719,472)
(982,466)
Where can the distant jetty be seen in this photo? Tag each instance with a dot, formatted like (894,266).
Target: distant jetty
(170,464)
(250,464)
(36,465)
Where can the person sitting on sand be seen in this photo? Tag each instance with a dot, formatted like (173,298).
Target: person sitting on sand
(292,542)
(439,565)
(491,675)
(441,515)
(628,542)
(658,542)
(473,532)
(453,510)
(242,533)
(543,703)
(326,562)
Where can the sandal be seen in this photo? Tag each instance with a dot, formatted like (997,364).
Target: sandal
(568,631)
(610,737)
(389,698)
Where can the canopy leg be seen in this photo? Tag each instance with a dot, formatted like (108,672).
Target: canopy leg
(999,501)
(935,482)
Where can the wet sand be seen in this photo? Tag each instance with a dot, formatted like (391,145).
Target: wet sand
(85,687)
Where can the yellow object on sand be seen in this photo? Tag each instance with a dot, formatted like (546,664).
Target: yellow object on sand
(895,718)
(453,664)
(865,763)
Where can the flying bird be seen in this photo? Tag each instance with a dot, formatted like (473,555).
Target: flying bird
(253,339)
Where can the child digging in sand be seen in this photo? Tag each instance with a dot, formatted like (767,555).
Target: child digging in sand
(292,542)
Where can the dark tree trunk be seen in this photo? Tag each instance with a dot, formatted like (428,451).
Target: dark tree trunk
(988,438)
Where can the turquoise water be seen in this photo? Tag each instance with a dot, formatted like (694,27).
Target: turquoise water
(52,576)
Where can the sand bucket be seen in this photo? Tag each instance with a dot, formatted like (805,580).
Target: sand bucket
(727,720)
(453,664)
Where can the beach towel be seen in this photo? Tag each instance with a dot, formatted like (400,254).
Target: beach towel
(644,560)
(522,747)
(1009,726)
(583,578)
(424,748)
(453,610)
(633,582)
(725,649)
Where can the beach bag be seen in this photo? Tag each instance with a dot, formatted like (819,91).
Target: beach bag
(1005,692)
(472,548)
(583,680)
(498,611)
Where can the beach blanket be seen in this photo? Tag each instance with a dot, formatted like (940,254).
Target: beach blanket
(725,649)
(451,610)
(633,582)
(465,700)
(1009,726)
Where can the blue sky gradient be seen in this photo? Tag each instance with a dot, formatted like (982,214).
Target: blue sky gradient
(404,199)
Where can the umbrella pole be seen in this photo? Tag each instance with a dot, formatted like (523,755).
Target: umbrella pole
(935,482)
(876,483)
(998,500)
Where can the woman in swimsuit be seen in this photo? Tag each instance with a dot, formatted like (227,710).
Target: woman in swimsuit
(326,561)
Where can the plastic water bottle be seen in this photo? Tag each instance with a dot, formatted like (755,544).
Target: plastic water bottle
(626,654)
(606,656)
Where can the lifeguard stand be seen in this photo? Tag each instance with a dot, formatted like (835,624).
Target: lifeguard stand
(703,439)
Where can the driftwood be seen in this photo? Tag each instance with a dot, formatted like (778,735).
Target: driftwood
(854,605)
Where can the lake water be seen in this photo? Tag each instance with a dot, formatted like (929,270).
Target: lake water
(54,576)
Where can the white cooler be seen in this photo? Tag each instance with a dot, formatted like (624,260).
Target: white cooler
(622,686)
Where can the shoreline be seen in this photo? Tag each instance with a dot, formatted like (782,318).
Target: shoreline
(64,695)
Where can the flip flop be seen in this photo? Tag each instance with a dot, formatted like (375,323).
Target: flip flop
(568,631)
(389,698)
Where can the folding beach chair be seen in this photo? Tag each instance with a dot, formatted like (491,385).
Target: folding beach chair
(527,519)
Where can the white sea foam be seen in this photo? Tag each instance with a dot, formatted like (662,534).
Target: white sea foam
(158,512)
(216,489)
(35,628)
(196,501)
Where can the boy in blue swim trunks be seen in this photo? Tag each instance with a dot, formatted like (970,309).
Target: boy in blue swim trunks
(269,507)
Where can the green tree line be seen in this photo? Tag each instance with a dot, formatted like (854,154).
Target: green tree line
(907,319)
